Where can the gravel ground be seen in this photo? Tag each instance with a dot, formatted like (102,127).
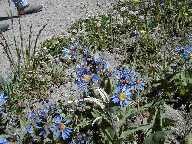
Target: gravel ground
(59,14)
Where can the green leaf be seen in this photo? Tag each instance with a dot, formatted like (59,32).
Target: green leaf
(156,138)
(157,124)
(148,105)
(183,78)
(167,122)
(108,134)
(95,113)
(132,130)
(23,122)
(108,87)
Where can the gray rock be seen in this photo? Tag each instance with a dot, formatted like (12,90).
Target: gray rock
(182,122)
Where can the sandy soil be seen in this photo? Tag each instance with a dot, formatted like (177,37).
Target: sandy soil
(59,14)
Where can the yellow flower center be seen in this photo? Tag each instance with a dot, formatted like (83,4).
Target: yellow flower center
(62,126)
(122,96)
(86,78)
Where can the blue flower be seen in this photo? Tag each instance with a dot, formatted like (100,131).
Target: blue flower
(125,75)
(60,129)
(128,83)
(66,53)
(120,100)
(82,71)
(31,115)
(107,68)
(129,78)
(83,77)
(103,67)
(3,99)
(184,52)
(42,133)
(95,78)
(81,84)
(43,112)
(119,88)
(3,140)
(178,49)
(58,119)
(66,133)
(91,71)
(122,95)
(29,129)
(97,60)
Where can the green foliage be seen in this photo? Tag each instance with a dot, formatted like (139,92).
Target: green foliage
(115,127)
(183,83)
(157,137)
(188,139)
(56,45)
(145,34)
(184,78)
(160,126)
(157,126)
(95,33)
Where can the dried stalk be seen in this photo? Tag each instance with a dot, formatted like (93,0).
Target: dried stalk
(37,38)
(6,49)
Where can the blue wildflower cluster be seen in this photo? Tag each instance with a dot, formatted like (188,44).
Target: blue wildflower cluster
(44,121)
(129,83)
(37,123)
(91,71)
(184,52)
(94,68)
